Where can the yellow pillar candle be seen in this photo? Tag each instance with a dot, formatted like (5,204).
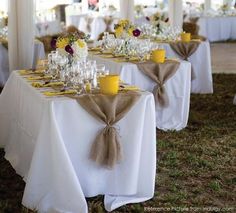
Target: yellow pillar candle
(109,84)
(185,37)
(158,55)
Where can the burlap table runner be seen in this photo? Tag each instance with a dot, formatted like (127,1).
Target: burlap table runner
(185,50)
(108,109)
(4,43)
(108,21)
(159,73)
(89,21)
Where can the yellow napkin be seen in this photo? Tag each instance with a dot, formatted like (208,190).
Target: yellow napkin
(95,49)
(171,59)
(54,93)
(119,56)
(120,60)
(96,53)
(28,72)
(134,59)
(107,56)
(51,84)
(129,88)
(32,78)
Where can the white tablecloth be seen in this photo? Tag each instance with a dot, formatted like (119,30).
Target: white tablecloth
(48,28)
(201,63)
(218,28)
(98,25)
(39,53)
(47,141)
(235,100)
(175,116)
(74,19)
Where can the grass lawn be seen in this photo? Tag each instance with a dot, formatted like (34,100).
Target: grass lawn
(196,167)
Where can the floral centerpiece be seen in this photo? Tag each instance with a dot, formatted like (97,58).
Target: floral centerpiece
(125,28)
(224,8)
(111,8)
(158,21)
(71,45)
(139,10)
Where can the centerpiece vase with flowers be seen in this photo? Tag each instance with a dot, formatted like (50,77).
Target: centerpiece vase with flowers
(72,46)
(125,29)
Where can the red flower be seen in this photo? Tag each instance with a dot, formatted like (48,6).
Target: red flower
(54,43)
(136,33)
(69,49)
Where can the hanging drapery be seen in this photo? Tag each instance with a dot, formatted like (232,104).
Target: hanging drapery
(229,3)
(127,9)
(207,5)
(21,34)
(176,13)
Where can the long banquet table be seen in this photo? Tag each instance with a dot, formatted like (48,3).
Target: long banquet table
(219,28)
(201,64)
(47,141)
(173,117)
(39,53)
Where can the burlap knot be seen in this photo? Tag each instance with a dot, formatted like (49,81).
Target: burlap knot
(89,21)
(185,50)
(4,43)
(108,20)
(106,149)
(159,73)
(160,95)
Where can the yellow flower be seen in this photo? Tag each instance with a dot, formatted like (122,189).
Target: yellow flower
(119,31)
(123,22)
(130,31)
(80,43)
(62,43)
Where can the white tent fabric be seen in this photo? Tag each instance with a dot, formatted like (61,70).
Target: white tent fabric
(207,5)
(229,3)
(176,13)
(127,9)
(21,33)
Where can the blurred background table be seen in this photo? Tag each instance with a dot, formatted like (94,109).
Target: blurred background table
(39,53)
(173,117)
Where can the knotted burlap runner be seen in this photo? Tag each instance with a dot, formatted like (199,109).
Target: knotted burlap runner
(4,43)
(185,50)
(89,21)
(109,109)
(159,73)
(108,21)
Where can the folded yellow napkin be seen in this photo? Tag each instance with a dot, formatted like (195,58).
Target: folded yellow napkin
(51,84)
(120,60)
(29,72)
(95,49)
(107,56)
(55,93)
(171,59)
(129,88)
(119,56)
(34,78)
(96,53)
(134,59)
